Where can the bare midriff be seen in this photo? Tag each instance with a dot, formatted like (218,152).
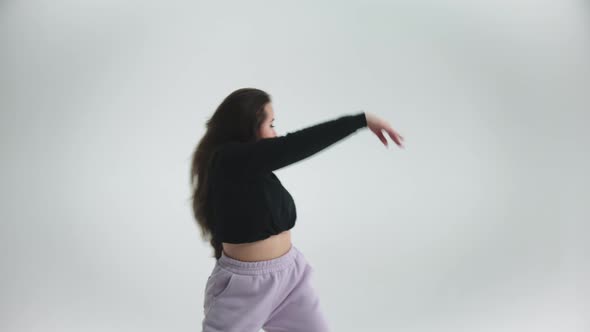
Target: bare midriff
(269,248)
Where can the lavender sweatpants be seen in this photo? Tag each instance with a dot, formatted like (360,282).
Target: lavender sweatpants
(274,295)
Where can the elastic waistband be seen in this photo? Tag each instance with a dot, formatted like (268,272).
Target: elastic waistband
(258,267)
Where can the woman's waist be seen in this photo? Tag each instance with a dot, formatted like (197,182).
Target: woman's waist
(269,248)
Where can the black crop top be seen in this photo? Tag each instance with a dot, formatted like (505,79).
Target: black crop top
(247,201)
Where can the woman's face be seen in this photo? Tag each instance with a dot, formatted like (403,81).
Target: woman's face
(267,128)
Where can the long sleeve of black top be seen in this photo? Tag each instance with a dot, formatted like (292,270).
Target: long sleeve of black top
(269,154)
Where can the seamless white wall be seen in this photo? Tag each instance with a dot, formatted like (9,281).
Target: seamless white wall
(480,224)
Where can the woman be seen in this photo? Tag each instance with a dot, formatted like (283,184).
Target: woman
(260,280)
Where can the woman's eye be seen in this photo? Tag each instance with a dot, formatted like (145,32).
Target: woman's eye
(272,126)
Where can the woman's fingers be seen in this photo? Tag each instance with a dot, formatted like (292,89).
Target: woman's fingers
(395,136)
(382,137)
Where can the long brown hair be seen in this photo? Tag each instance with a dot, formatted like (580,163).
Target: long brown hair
(237,118)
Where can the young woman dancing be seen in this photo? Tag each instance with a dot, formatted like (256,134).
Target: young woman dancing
(260,280)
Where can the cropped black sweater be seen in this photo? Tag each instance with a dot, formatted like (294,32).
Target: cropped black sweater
(247,201)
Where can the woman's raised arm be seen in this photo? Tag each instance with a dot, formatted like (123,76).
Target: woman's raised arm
(269,154)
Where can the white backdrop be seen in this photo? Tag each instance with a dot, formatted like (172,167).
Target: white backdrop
(480,224)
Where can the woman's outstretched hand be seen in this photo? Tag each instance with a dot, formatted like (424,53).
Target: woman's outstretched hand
(377,125)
